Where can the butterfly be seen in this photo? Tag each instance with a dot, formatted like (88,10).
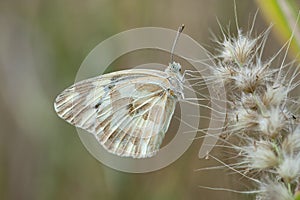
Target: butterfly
(127,111)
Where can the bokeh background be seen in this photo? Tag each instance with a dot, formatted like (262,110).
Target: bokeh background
(42,44)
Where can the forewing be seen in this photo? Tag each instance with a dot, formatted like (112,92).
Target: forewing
(128,111)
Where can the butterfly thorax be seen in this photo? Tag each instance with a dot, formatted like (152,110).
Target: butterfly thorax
(176,80)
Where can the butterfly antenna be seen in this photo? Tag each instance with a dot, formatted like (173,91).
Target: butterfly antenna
(180,29)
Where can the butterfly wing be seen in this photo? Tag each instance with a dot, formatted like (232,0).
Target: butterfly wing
(128,111)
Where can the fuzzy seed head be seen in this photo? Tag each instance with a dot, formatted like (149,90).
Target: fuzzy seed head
(274,191)
(246,80)
(245,119)
(271,122)
(251,77)
(291,144)
(274,95)
(260,155)
(249,100)
(238,49)
(289,169)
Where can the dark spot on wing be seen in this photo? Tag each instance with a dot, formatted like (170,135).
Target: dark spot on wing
(160,93)
(97,105)
(130,109)
(146,115)
(115,77)
(110,86)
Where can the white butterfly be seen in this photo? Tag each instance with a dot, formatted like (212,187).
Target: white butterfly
(127,111)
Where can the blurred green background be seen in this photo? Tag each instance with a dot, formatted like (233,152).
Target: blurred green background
(42,44)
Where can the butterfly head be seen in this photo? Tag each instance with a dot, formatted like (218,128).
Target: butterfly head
(175,67)
(174,70)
